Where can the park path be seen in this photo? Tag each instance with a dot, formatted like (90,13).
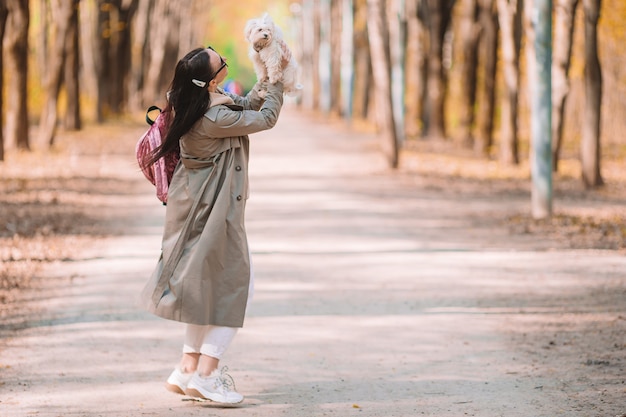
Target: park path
(374,297)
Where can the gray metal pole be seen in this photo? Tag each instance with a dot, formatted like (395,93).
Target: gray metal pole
(541,123)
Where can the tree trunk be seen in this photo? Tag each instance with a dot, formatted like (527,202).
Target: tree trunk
(470,31)
(72,85)
(528,29)
(563,34)
(325,56)
(439,13)
(42,36)
(541,111)
(185,32)
(488,50)
(158,45)
(381,67)
(397,40)
(139,55)
(120,52)
(310,47)
(335,56)
(3,21)
(414,70)
(61,14)
(510,16)
(363,63)
(89,41)
(172,54)
(590,144)
(18,21)
(435,82)
(347,58)
(102,45)
(115,22)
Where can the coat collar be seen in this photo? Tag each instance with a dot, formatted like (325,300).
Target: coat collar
(219,98)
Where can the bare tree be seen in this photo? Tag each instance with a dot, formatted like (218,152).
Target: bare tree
(325,56)
(396,17)
(488,57)
(590,144)
(470,31)
(563,34)
(381,67)
(438,14)
(510,15)
(42,36)
(529,21)
(335,56)
(61,13)
(16,38)
(120,50)
(362,61)
(139,54)
(161,13)
(541,110)
(185,31)
(88,52)
(308,19)
(415,69)
(347,58)
(112,57)
(102,47)
(3,20)
(72,84)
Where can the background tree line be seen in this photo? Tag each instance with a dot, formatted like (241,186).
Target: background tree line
(455,70)
(462,70)
(66,61)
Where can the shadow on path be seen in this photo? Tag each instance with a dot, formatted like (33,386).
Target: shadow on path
(374,297)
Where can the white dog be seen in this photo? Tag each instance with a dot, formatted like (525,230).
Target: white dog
(267,53)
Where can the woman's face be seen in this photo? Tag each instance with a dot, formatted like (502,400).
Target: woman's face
(218,64)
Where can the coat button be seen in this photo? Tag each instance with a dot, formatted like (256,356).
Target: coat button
(238,198)
(237,168)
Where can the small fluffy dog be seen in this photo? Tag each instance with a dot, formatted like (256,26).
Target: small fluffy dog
(266,53)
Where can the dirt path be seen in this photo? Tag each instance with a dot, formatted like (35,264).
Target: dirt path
(375,296)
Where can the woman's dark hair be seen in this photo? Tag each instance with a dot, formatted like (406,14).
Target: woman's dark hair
(186,102)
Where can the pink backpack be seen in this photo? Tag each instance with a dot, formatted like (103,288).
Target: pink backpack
(160,173)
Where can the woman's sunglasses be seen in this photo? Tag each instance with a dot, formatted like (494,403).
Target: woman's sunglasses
(224,64)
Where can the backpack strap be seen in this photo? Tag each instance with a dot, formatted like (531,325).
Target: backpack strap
(150,110)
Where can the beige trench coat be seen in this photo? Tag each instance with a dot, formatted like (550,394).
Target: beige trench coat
(203,274)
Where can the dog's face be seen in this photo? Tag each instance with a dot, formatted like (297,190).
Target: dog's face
(260,32)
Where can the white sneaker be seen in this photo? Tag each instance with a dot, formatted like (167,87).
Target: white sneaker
(178,380)
(218,387)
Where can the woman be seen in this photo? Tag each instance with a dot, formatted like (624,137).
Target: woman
(203,277)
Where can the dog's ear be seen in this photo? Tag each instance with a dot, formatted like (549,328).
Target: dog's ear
(249,28)
(267,19)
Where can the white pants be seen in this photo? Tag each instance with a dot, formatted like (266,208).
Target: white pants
(213,340)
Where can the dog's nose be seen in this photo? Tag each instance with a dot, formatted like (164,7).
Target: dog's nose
(265,35)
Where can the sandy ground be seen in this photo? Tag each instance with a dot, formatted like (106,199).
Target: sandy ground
(376,295)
